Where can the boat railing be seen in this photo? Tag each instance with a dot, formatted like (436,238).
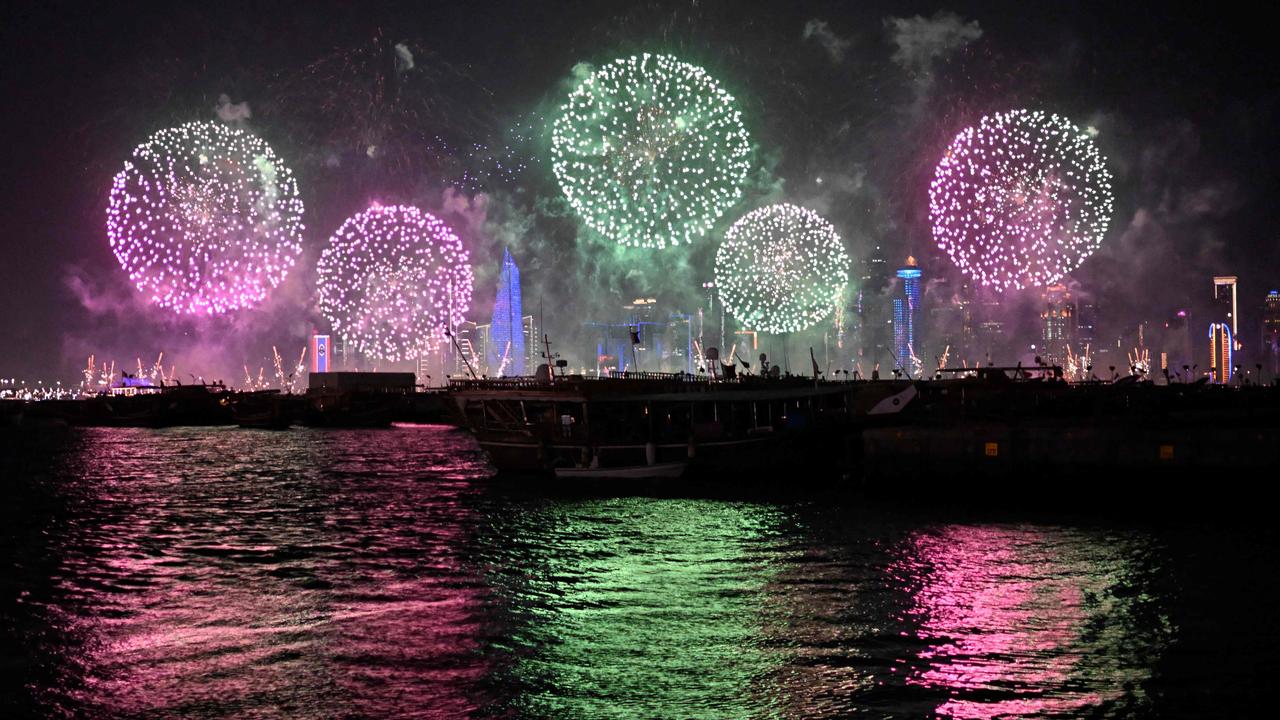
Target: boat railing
(530,383)
(636,375)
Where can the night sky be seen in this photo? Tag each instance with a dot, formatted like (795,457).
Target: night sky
(865,98)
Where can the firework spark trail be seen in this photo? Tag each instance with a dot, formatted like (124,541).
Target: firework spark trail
(781,268)
(393,280)
(650,151)
(390,103)
(1021,199)
(205,219)
(501,162)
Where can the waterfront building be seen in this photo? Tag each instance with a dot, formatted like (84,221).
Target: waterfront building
(1175,344)
(1057,324)
(1271,335)
(467,350)
(711,320)
(950,327)
(507,335)
(1086,322)
(422,374)
(320,352)
(874,320)
(906,314)
(1221,346)
(665,340)
(338,353)
(532,342)
(1224,302)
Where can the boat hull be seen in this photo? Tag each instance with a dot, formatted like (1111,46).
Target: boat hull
(660,471)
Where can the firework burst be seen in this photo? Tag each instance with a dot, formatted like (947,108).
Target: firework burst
(1021,199)
(781,268)
(393,281)
(650,151)
(205,219)
(391,108)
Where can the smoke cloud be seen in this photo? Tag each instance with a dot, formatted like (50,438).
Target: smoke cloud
(230,112)
(920,40)
(404,58)
(834,45)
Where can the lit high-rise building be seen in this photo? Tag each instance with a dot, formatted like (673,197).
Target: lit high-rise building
(874,321)
(711,320)
(1220,352)
(1086,323)
(906,314)
(482,345)
(467,356)
(1271,334)
(338,353)
(1224,301)
(1057,324)
(532,342)
(950,330)
(1175,345)
(506,335)
(320,353)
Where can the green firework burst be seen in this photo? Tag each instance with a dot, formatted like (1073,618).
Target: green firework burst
(781,268)
(650,151)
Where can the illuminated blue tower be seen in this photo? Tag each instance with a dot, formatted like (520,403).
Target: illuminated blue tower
(906,314)
(506,333)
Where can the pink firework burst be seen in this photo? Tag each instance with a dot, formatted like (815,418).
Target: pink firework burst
(393,280)
(205,219)
(1021,199)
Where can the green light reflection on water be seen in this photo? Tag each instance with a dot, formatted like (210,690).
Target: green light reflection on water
(640,608)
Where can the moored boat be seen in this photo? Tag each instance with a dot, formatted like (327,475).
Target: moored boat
(660,471)
(636,421)
(264,409)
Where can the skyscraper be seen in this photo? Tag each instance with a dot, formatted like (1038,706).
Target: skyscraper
(1271,334)
(1057,324)
(906,314)
(468,353)
(506,335)
(1220,352)
(532,341)
(949,328)
(874,320)
(1175,344)
(1224,301)
(1086,322)
(319,353)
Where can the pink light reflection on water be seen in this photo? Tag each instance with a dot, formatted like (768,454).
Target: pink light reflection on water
(270,596)
(1021,621)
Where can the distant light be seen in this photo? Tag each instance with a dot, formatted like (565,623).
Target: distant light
(1091,131)
(818,180)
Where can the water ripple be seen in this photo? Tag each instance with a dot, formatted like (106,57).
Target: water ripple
(229,573)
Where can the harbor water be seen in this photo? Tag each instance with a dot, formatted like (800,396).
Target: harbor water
(220,572)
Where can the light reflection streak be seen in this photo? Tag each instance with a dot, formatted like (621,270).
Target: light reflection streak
(639,608)
(260,589)
(1027,621)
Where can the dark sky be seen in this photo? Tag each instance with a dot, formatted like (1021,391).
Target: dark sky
(864,96)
